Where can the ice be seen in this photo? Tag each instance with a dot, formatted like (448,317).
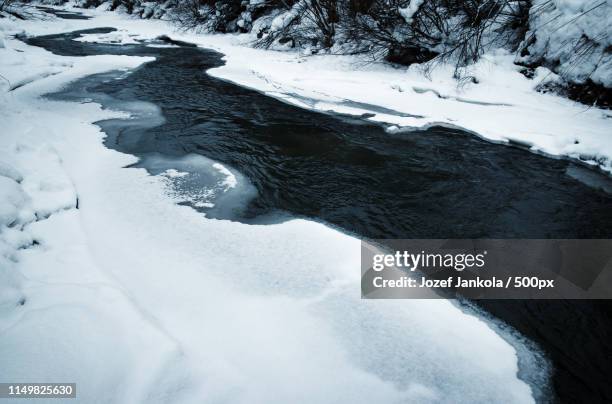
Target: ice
(121,37)
(202,182)
(12,199)
(172,173)
(230,179)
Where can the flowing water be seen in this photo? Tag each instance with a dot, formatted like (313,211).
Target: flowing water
(236,154)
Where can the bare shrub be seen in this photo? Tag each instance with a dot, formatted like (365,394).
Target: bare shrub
(191,14)
(5,4)
(441,29)
(311,22)
(206,15)
(20,10)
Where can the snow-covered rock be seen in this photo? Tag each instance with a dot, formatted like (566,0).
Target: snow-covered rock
(408,12)
(573,37)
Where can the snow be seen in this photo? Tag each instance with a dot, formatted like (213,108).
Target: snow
(230,179)
(107,282)
(13,201)
(120,37)
(408,12)
(172,173)
(201,182)
(284,19)
(574,36)
(6,170)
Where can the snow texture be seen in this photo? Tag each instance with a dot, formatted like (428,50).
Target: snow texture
(574,37)
(408,12)
(121,37)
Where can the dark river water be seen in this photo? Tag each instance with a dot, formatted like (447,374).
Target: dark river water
(351,174)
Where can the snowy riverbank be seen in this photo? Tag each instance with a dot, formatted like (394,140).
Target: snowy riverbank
(503,106)
(108,283)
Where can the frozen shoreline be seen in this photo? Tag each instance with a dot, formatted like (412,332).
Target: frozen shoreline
(98,262)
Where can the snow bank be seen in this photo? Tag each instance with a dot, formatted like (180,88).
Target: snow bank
(282,20)
(574,37)
(13,202)
(408,12)
(108,283)
(61,317)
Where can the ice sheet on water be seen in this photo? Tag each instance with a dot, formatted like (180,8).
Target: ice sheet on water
(210,186)
(121,37)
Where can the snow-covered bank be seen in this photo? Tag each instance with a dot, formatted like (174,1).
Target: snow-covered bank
(106,281)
